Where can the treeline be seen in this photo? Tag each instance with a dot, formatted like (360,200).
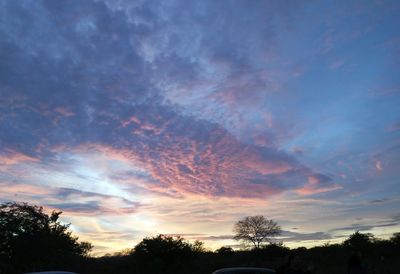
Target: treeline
(163,254)
(31,240)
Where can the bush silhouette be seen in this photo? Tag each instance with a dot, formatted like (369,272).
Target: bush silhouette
(225,250)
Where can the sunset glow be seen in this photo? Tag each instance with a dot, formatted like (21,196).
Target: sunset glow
(136,118)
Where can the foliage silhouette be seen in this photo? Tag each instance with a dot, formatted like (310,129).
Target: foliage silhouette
(256,230)
(165,254)
(359,241)
(56,248)
(225,250)
(31,239)
(162,245)
(395,239)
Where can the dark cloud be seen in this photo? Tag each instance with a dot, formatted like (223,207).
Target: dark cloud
(286,236)
(379,201)
(366,227)
(68,193)
(92,208)
(290,236)
(203,237)
(68,200)
(215,238)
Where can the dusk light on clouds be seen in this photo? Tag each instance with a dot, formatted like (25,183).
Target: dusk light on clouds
(136,118)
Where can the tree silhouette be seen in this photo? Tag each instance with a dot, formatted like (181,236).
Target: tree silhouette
(395,238)
(358,240)
(30,238)
(163,245)
(256,230)
(165,254)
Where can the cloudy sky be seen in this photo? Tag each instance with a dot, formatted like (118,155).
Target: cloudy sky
(181,117)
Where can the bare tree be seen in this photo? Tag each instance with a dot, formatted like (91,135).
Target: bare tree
(256,230)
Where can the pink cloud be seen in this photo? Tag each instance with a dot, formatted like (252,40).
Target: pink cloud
(247,87)
(256,164)
(378,166)
(224,167)
(11,157)
(261,140)
(64,111)
(23,189)
(132,119)
(317,184)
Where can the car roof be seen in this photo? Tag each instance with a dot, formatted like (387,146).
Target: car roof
(238,270)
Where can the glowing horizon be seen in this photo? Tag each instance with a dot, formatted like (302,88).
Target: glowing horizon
(138,118)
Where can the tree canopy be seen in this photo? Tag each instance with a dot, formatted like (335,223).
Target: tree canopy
(358,240)
(163,245)
(395,238)
(165,254)
(29,236)
(256,230)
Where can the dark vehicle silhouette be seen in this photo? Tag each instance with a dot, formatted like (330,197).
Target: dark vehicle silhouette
(52,272)
(244,270)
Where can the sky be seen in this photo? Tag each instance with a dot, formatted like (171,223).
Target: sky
(137,118)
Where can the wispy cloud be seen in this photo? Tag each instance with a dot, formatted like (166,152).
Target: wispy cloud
(318,183)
